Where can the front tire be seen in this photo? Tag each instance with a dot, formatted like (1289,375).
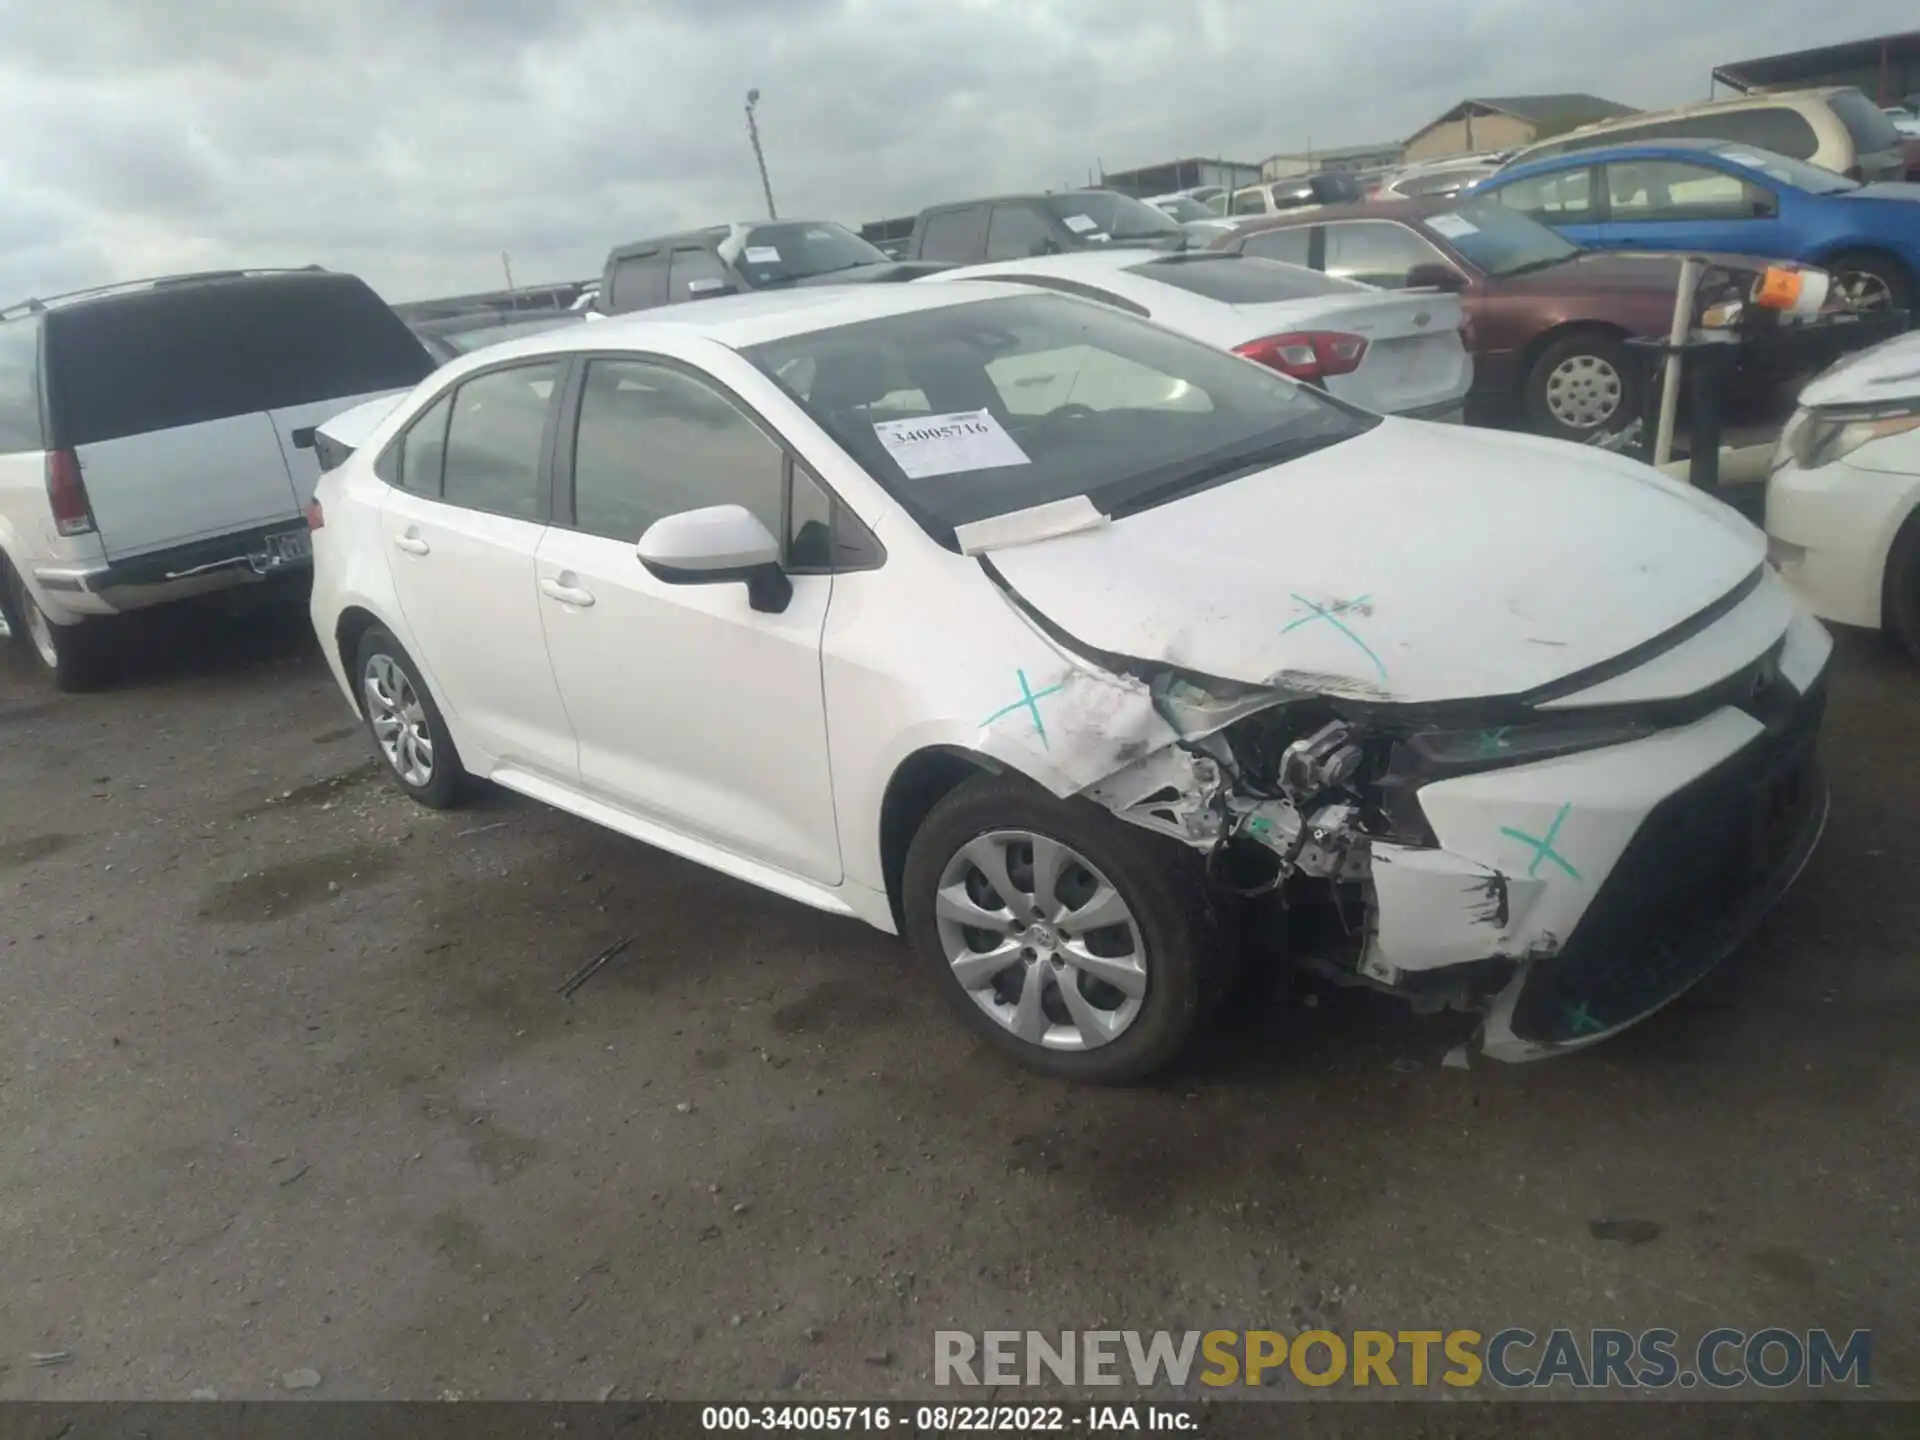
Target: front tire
(1582,386)
(78,657)
(1901,607)
(1067,939)
(407,727)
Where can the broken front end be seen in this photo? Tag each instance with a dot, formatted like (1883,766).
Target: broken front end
(1562,863)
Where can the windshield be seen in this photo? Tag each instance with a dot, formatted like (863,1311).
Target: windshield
(1182,207)
(992,406)
(1814,179)
(1497,240)
(1118,217)
(773,254)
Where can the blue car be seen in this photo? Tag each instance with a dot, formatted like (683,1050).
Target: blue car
(1716,195)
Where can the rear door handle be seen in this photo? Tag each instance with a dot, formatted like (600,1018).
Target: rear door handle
(412,544)
(565,594)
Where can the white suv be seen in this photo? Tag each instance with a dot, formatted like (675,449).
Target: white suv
(1046,636)
(156,441)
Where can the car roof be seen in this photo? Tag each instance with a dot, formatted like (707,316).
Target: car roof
(124,288)
(1630,149)
(1394,207)
(753,318)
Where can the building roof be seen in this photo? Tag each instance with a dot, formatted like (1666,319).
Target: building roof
(1549,113)
(1805,67)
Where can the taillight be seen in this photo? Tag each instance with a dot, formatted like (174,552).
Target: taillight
(67,494)
(1308,354)
(316,517)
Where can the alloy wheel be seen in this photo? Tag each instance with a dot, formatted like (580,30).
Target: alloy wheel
(1584,392)
(1041,941)
(399,720)
(1864,291)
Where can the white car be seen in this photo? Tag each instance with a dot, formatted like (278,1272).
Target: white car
(1439,179)
(1398,354)
(1843,498)
(810,587)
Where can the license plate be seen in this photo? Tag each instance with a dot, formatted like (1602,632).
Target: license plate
(294,545)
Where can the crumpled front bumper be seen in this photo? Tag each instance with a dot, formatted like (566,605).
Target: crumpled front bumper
(1611,880)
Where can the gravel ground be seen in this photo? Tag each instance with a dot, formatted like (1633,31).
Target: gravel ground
(288,1086)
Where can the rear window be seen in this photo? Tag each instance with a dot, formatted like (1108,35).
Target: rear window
(20,386)
(1865,121)
(1778,128)
(1242,279)
(187,354)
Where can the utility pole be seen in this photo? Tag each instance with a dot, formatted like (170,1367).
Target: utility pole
(753,134)
(506,264)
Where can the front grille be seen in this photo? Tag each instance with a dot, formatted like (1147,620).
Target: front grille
(1703,865)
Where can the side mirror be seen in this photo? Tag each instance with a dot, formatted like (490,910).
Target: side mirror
(1431,276)
(718,545)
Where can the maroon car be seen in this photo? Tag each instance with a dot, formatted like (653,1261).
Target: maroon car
(1547,321)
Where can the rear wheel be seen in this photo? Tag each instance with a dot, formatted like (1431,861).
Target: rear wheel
(406,725)
(1582,386)
(1871,282)
(76,656)
(1063,937)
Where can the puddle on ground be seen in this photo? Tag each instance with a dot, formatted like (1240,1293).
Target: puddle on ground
(314,792)
(15,853)
(282,890)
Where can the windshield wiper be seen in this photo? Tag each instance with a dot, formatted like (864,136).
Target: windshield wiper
(1527,267)
(1187,479)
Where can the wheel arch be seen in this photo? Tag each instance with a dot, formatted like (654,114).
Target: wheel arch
(1904,545)
(918,783)
(1563,330)
(348,629)
(1862,249)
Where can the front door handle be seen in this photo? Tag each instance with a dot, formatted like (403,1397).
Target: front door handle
(565,594)
(412,544)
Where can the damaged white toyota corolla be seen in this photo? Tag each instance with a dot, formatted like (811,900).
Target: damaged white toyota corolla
(1072,648)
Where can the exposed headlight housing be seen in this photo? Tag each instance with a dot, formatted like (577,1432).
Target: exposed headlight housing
(1826,435)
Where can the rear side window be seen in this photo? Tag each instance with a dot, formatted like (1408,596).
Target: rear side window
(697,273)
(424,449)
(1250,202)
(187,354)
(638,282)
(1782,130)
(1866,122)
(1288,246)
(951,235)
(1243,279)
(494,441)
(20,386)
(1016,232)
(1565,197)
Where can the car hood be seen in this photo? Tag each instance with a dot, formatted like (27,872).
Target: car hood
(1889,371)
(1597,272)
(1414,563)
(878,273)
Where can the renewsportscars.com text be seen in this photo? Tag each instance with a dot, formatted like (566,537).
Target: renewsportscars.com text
(1511,1359)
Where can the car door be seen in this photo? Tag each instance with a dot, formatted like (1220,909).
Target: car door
(463,516)
(1565,200)
(692,709)
(1680,205)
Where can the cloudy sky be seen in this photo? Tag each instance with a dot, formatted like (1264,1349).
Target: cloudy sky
(412,141)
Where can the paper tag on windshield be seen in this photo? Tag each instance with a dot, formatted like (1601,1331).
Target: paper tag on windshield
(763,255)
(1452,226)
(1080,224)
(949,444)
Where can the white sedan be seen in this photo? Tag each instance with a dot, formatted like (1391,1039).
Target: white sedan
(1387,351)
(1843,499)
(815,589)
